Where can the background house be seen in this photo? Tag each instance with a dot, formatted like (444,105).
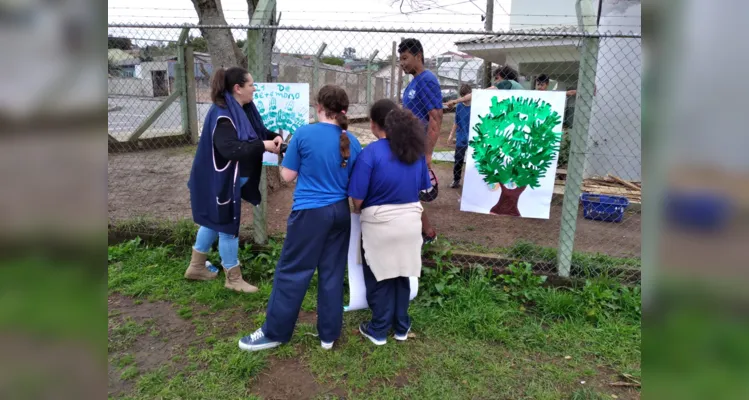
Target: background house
(614,141)
(614,130)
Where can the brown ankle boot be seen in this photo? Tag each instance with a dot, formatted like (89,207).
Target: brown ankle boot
(197,269)
(235,282)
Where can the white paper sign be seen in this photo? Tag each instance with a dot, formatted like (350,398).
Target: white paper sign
(357,289)
(519,152)
(282,106)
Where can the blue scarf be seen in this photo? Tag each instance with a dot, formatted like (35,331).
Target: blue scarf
(245,130)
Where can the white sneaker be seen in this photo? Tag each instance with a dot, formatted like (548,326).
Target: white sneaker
(326,346)
(402,338)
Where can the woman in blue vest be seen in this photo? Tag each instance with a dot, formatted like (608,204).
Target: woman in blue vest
(320,156)
(226,170)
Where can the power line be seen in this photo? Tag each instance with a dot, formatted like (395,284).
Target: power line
(475,5)
(501,7)
(423,9)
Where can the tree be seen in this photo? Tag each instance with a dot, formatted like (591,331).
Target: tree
(199,44)
(225,51)
(112,69)
(514,147)
(220,42)
(121,43)
(268,35)
(349,53)
(333,61)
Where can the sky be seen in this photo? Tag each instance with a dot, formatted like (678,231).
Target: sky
(427,14)
(442,14)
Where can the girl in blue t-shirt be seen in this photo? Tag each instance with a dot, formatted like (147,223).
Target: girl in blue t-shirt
(460,134)
(320,156)
(384,187)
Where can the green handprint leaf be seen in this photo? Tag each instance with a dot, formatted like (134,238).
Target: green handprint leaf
(516,141)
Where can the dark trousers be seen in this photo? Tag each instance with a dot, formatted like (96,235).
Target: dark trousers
(315,239)
(388,300)
(460,158)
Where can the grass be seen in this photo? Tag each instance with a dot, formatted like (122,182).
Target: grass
(583,264)
(129,373)
(474,336)
(182,233)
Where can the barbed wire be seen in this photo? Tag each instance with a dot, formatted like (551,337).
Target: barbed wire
(383,21)
(537,33)
(362,12)
(410,22)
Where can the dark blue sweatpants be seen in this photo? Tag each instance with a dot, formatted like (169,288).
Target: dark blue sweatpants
(315,239)
(388,300)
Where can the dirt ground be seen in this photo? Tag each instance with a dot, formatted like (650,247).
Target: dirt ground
(174,336)
(154,184)
(170,336)
(291,379)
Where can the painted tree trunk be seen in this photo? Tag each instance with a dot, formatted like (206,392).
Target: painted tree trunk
(508,201)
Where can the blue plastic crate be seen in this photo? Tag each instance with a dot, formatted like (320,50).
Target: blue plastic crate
(699,210)
(599,207)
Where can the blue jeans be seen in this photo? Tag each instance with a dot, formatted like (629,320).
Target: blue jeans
(228,245)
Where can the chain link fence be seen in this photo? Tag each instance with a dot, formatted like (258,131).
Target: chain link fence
(158,88)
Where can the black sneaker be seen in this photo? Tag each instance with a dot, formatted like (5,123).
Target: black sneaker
(428,239)
(455,185)
(432,193)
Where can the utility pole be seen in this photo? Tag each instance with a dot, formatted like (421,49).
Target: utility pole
(488,26)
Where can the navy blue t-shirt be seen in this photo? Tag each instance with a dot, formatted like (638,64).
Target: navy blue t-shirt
(462,119)
(379,178)
(422,95)
(314,152)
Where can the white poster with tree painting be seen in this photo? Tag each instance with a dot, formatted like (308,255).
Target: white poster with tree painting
(283,107)
(512,153)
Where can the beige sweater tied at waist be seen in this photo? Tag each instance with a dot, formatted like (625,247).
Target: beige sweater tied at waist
(392,240)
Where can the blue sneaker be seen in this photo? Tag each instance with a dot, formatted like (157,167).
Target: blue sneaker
(256,342)
(364,329)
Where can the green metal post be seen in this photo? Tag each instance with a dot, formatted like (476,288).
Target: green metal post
(578,137)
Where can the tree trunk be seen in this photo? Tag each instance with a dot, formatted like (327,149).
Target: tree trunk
(268,36)
(221,44)
(508,201)
(269,40)
(274,179)
(274,174)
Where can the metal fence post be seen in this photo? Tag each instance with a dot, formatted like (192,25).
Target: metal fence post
(192,104)
(369,77)
(393,61)
(316,72)
(578,141)
(258,68)
(460,74)
(400,81)
(180,79)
